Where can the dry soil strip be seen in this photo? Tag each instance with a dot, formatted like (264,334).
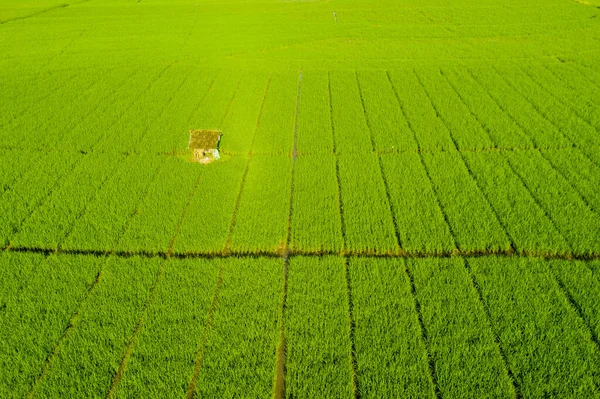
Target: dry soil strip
(456,253)
(279,382)
(352,330)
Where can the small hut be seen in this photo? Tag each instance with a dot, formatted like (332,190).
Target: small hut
(205,144)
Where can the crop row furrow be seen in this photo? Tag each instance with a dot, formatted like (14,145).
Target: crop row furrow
(380,166)
(443,228)
(423,332)
(495,234)
(233,219)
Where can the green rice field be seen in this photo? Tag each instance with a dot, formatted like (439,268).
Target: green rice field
(407,202)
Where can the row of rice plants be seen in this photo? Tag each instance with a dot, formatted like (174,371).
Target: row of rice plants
(275,130)
(547,345)
(102,109)
(461,125)
(571,83)
(34,318)
(261,220)
(238,356)
(502,129)
(16,271)
(104,324)
(581,283)
(573,127)
(240,125)
(351,133)
(391,355)
(21,102)
(430,133)
(580,171)
(105,121)
(368,222)
(13,164)
(317,329)
(473,222)
(314,134)
(68,112)
(316,224)
(48,224)
(32,189)
(387,121)
(527,224)
(107,217)
(70,85)
(208,219)
(145,111)
(541,132)
(156,219)
(162,360)
(571,214)
(420,219)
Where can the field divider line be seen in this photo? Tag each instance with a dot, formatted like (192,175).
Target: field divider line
(337,167)
(227,247)
(455,253)
(543,115)
(279,380)
(515,384)
(380,166)
(424,335)
(424,166)
(464,161)
(352,332)
(576,308)
(281,355)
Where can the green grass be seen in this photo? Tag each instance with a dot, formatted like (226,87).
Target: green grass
(406,203)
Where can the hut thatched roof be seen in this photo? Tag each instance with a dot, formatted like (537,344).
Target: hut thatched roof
(204,139)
